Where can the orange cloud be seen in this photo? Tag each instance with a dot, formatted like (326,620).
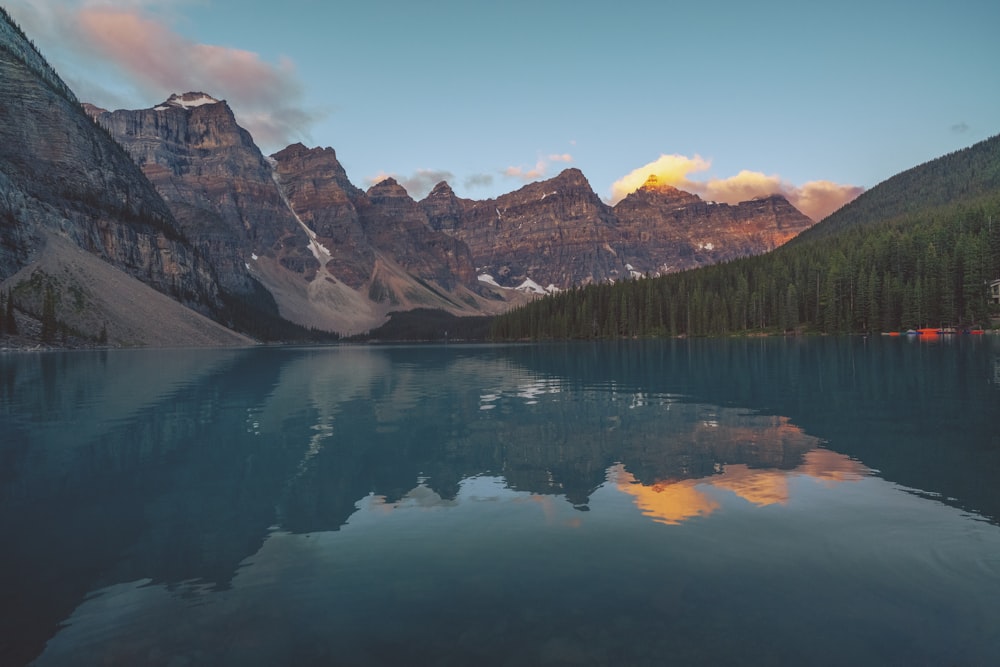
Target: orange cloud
(816,199)
(527,174)
(379,177)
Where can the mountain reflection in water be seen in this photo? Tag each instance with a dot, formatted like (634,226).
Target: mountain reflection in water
(347,503)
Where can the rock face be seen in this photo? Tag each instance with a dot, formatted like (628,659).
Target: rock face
(665,229)
(217,183)
(332,256)
(555,232)
(558,233)
(379,243)
(61,174)
(399,228)
(318,190)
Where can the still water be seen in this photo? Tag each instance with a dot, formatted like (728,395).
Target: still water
(826,502)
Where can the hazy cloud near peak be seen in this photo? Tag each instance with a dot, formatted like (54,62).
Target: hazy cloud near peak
(418,185)
(157,61)
(537,172)
(478,181)
(816,199)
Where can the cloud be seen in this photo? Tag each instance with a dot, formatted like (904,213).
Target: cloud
(156,61)
(671,169)
(423,181)
(418,185)
(816,199)
(527,174)
(478,181)
(539,171)
(960,128)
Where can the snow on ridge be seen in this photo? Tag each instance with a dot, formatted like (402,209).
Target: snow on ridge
(192,102)
(529,286)
(319,251)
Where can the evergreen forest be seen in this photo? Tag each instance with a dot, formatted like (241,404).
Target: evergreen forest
(918,250)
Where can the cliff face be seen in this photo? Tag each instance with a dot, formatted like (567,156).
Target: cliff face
(318,190)
(61,174)
(216,182)
(558,233)
(666,230)
(554,232)
(399,228)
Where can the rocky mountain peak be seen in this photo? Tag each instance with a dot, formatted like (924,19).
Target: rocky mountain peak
(571,175)
(293,152)
(386,188)
(442,189)
(663,189)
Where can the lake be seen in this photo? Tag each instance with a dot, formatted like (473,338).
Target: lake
(821,501)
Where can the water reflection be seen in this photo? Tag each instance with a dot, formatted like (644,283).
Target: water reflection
(173,476)
(672,502)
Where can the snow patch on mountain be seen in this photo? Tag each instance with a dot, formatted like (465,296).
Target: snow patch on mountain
(188,100)
(529,286)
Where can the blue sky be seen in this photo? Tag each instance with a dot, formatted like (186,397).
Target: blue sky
(724,99)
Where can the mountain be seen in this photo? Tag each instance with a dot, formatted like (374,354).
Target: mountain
(967,175)
(560,234)
(666,230)
(181,198)
(351,256)
(380,252)
(64,182)
(216,183)
(918,250)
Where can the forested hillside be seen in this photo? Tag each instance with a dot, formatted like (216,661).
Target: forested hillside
(917,250)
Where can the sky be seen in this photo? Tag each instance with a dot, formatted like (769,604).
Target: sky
(729,100)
